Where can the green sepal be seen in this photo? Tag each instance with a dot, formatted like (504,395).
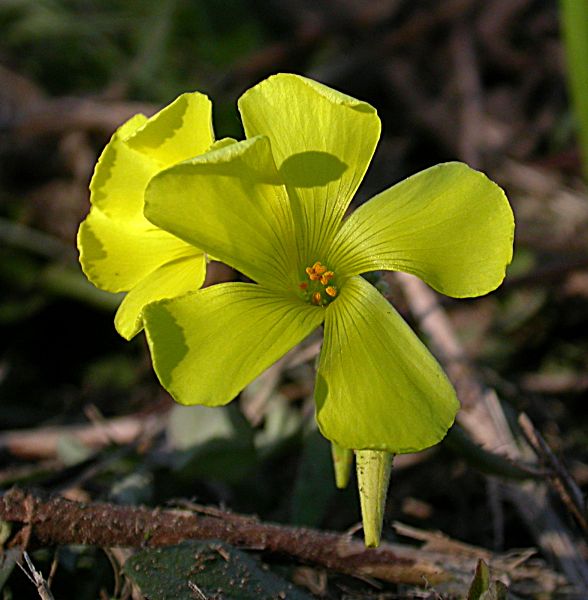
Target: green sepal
(342,463)
(373,476)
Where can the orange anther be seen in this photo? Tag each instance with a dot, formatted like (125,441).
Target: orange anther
(326,277)
(318,268)
(316,298)
(331,291)
(303,285)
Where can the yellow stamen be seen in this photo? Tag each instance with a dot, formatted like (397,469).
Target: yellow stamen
(326,277)
(318,289)
(318,268)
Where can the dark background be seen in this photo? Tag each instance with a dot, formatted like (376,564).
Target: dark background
(472,80)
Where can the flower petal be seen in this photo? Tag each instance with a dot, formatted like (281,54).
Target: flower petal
(118,247)
(449,225)
(322,142)
(378,387)
(208,345)
(171,279)
(230,203)
(116,255)
(121,175)
(142,147)
(179,131)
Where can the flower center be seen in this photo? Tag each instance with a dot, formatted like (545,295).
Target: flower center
(318,287)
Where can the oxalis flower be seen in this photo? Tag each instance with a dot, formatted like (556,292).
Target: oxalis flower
(273,206)
(120,251)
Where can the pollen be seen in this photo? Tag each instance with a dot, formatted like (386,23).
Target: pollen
(318,268)
(319,288)
(326,277)
(312,274)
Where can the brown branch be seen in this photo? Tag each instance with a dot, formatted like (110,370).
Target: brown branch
(442,562)
(60,521)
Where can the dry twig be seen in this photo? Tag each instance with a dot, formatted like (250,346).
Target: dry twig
(36,578)
(445,564)
(561,479)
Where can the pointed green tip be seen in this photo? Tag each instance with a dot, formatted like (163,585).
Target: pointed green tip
(373,475)
(342,461)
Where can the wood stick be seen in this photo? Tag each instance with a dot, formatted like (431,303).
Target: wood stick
(442,562)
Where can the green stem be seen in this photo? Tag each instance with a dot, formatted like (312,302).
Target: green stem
(574,24)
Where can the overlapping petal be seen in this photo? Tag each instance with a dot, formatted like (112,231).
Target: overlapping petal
(208,345)
(173,278)
(121,175)
(378,387)
(449,225)
(142,147)
(116,255)
(179,131)
(231,203)
(119,249)
(322,142)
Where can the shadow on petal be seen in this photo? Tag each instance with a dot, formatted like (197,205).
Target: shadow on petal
(312,169)
(167,333)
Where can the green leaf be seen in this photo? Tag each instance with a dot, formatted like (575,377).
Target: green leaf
(449,225)
(574,25)
(480,582)
(171,279)
(72,451)
(210,443)
(9,561)
(482,588)
(230,202)
(136,487)
(496,591)
(5,531)
(378,387)
(322,142)
(281,423)
(206,570)
(313,489)
(208,345)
